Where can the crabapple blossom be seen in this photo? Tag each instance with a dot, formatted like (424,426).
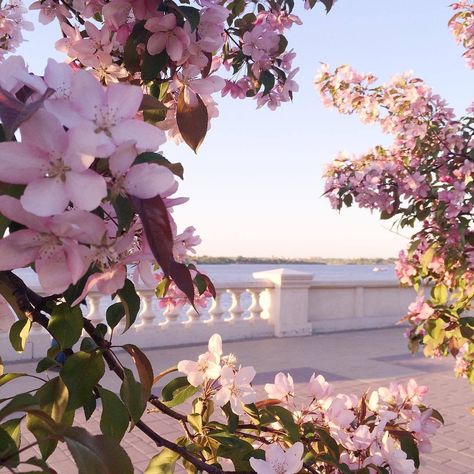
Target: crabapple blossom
(282,389)
(11,25)
(279,461)
(107,117)
(167,36)
(54,165)
(236,388)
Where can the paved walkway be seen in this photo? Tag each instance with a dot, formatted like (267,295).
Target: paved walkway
(352,361)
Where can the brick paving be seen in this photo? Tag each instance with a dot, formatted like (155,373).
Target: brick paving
(352,361)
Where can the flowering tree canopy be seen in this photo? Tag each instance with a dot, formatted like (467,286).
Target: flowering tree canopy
(86,201)
(425,180)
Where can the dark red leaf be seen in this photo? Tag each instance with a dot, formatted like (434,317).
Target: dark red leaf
(181,275)
(13,112)
(157,228)
(191,119)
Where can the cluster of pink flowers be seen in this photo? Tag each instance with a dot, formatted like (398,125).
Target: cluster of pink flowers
(462,26)
(11,25)
(425,176)
(366,429)
(189,45)
(76,157)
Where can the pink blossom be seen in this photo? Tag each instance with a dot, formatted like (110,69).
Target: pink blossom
(54,165)
(106,117)
(280,461)
(51,243)
(166,36)
(236,388)
(144,180)
(282,389)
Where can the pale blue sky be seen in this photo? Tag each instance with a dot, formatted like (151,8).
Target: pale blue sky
(255,185)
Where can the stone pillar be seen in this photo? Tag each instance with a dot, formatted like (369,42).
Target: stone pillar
(289,309)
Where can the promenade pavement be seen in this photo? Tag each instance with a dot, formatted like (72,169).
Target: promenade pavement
(352,361)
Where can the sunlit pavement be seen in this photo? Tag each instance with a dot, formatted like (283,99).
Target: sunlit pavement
(352,361)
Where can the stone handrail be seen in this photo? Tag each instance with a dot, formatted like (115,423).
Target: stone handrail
(277,303)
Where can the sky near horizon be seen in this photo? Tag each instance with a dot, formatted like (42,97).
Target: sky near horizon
(255,185)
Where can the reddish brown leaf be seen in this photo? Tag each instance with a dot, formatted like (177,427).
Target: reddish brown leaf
(145,370)
(13,112)
(192,119)
(156,225)
(157,228)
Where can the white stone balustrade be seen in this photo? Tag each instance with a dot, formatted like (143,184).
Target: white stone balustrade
(277,303)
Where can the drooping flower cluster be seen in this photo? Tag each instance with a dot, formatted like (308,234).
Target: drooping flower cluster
(369,431)
(462,26)
(425,176)
(11,25)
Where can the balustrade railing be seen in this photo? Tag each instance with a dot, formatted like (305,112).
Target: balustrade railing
(274,303)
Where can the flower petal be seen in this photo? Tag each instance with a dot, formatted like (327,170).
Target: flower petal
(125,99)
(45,197)
(86,190)
(18,249)
(146,136)
(20,163)
(146,180)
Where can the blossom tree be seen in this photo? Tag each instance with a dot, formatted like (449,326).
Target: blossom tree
(86,201)
(425,181)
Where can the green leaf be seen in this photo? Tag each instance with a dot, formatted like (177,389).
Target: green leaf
(154,111)
(192,15)
(152,65)
(66,325)
(285,418)
(329,442)
(8,450)
(267,79)
(45,364)
(23,402)
(232,418)
(195,420)
(440,294)
(12,427)
(19,332)
(131,302)
(131,395)
(408,445)
(53,398)
(124,211)
(96,454)
(114,314)
(114,418)
(81,373)
(5,378)
(89,406)
(145,370)
(163,463)
(177,391)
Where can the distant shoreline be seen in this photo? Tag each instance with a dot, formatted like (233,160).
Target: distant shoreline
(207,260)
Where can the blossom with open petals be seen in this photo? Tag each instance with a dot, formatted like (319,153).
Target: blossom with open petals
(280,461)
(236,388)
(54,165)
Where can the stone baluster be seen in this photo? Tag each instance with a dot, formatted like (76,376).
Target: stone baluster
(171,314)
(236,309)
(216,311)
(192,314)
(94,315)
(255,309)
(147,315)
